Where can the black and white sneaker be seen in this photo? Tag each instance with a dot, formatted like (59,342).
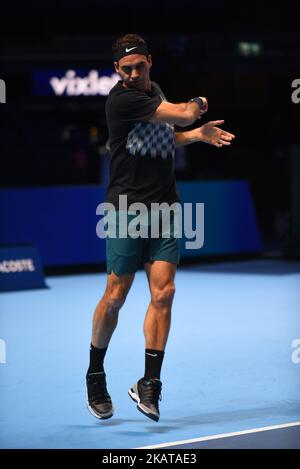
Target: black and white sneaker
(146,393)
(99,401)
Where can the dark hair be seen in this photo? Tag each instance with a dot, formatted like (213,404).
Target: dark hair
(124,41)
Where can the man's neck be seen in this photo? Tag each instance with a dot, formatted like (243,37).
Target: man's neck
(147,88)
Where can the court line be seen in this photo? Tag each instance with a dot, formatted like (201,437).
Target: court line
(222,435)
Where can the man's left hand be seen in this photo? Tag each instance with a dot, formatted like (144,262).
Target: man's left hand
(210,133)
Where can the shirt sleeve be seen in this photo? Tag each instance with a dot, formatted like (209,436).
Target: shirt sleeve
(135,106)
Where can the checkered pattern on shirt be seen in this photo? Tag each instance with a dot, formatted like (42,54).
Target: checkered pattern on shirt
(153,138)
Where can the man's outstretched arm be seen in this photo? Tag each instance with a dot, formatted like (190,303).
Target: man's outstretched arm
(181,114)
(207,133)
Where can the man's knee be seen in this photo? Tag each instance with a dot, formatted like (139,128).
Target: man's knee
(161,297)
(115,297)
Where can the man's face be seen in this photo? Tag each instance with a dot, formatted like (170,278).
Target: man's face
(134,71)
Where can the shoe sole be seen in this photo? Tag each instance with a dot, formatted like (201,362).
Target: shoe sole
(99,416)
(136,399)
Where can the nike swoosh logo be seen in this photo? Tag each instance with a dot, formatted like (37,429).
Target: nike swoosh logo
(131,48)
(151,354)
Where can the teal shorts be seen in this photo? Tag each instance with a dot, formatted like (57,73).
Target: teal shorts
(126,255)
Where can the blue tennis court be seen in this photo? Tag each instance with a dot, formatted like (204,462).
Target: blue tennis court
(231,363)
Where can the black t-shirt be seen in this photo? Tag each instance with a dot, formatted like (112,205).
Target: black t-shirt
(142,152)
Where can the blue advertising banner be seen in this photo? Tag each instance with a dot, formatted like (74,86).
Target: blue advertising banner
(62,221)
(225,222)
(73,82)
(20,268)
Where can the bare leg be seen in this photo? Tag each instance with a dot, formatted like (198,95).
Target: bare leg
(158,317)
(104,323)
(107,310)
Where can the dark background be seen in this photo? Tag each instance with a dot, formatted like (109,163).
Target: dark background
(48,141)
